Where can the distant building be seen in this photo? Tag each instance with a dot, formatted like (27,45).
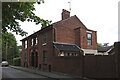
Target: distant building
(68,37)
(105,50)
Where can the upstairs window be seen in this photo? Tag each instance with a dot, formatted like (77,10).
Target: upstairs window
(36,41)
(44,39)
(32,42)
(44,57)
(89,39)
(25,44)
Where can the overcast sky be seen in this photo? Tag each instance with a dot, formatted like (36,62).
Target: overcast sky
(98,15)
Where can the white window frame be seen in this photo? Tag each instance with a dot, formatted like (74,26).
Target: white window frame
(25,44)
(89,40)
(36,41)
(44,38)
(32,42)
(44,57)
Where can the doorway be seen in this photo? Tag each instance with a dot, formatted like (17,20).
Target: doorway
(34,59)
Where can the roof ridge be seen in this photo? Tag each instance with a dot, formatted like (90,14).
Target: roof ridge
(70,18)
(64,19)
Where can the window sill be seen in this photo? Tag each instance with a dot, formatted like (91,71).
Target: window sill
(44,44)
(89,46)
(25,48)
(36,44)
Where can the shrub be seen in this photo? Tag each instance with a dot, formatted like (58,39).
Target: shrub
(17,61)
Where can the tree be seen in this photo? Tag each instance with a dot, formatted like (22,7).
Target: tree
(9,46)
(99,45)
(23,11)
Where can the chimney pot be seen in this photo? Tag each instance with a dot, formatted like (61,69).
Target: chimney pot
(65,14)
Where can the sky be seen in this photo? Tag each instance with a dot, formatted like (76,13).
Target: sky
(97,15)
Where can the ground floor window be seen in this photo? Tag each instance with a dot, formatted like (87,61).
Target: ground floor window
(44,57)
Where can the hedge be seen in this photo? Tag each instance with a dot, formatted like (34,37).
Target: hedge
(17,61)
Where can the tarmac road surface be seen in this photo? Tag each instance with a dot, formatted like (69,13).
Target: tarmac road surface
(8,72)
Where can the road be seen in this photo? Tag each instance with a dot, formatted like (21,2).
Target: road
(8,72)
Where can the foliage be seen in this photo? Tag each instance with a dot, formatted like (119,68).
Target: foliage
(9,46)
(12,12)
(17,61)
(99,45)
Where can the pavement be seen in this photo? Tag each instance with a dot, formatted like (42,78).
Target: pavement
(47,74)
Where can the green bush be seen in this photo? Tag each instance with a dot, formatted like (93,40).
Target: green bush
(17,61)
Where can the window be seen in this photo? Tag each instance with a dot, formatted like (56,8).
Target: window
(44,57)
(36,41)
(65,54)
(32,42)
(44,38)
(89,39)
(70,54)
(25,44)
(74,54)
(25,57)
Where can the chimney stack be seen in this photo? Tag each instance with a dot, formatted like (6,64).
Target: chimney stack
(65,14)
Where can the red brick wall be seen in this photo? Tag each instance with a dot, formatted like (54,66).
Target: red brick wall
(65,35)
(39,49)
(24,51)
(72,30)
(77,36)
(65,30)
(65,14)
(47,47)
(72,23)
(83,39)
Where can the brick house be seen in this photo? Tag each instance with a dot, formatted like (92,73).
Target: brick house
(68,37)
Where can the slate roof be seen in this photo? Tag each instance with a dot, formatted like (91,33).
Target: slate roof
(72,17)
(104,49)
(66,46)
